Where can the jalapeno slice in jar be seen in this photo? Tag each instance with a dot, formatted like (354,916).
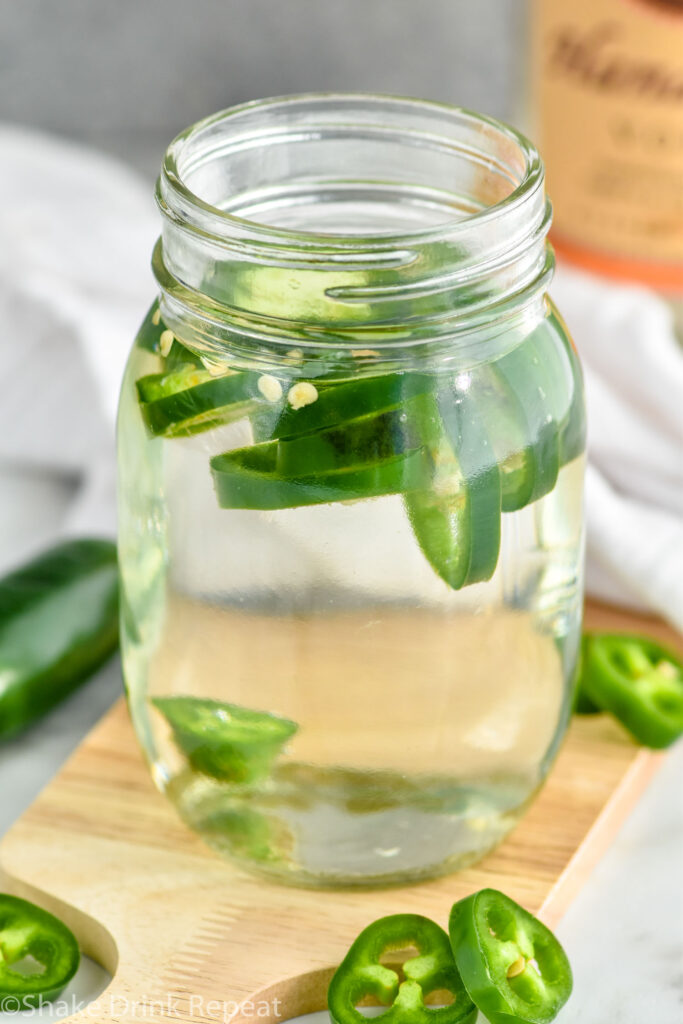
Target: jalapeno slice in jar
(456,520)
(342,402)
(639,681)
(190,400)
(461,450)
(249,478)
(225,741)
(512,966)
(364,972)
(523,373)
(29,931)
(506,426)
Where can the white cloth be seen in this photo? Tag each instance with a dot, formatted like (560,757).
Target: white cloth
(633,368)
(76,232)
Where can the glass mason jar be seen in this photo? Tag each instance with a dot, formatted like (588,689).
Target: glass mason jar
(351,442)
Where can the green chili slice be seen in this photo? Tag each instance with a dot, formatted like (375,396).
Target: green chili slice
(525,377)
(249,478)
(512,966)
(28,931)
(639,681)
(189,400)
(364,972)
(456,519)
(502,412)
(225,741)
(460,453)
(347,400)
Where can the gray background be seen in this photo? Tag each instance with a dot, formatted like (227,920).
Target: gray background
(127,75)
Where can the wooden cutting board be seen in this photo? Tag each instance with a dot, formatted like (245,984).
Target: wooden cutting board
(188,937)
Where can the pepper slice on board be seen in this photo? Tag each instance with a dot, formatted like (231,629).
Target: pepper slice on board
(364,972)
(582,704)
(639,681)
(512,966)
(58,624)
(28,931)
(225,741)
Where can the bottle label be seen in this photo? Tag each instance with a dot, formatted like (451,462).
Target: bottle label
(609,89)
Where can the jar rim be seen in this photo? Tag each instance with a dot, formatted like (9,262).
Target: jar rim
(359,162)
(215,222)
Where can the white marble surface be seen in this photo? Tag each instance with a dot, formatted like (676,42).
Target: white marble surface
(624,932)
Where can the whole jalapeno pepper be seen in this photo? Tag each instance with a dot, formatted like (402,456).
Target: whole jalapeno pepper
(29,931)
(639,681)
(362,973)
(512,966)
(58,623)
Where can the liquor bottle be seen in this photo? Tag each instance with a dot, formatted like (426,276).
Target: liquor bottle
(608,98)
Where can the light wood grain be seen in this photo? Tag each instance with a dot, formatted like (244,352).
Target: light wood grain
(177,927)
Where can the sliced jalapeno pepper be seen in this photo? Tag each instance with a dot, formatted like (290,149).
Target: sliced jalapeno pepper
(150,339)
(363,973)
(245,833)
(524,374)
(639,681)
(481,474)
(456,520)
(512,966)
(29,931)
(559,373)
(505,420)
(249,478)
(189,400)
(346,401)
(151,329)
(573,432)
(58,624)
(358,442)
(225,741)
(493,446)
(582,704)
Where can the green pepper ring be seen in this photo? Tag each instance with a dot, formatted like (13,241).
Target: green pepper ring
(225,741)
(362,974)
(620,675)
(28,930)
(513,967)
